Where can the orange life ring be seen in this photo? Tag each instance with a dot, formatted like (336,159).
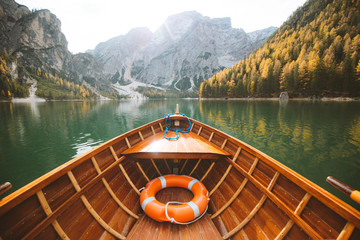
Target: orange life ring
(174,213)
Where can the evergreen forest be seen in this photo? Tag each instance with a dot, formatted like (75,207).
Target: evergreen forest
(316,52)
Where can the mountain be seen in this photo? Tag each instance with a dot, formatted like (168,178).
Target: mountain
(184,51)
(34,51)
(316,52)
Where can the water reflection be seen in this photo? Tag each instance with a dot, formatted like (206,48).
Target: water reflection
(84,143)
(354,133)
(313,138)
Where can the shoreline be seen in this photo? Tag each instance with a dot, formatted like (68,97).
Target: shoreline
(323,99)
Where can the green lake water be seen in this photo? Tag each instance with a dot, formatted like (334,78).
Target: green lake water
(316,139)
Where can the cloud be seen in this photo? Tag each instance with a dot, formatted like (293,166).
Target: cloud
(86,23)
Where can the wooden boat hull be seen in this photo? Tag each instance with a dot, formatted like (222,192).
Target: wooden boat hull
(96,195)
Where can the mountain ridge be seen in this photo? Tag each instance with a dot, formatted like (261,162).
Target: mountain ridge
(187,48)
(178,56)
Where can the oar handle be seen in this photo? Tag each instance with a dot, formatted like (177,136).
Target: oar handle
(4,187)
(354,194)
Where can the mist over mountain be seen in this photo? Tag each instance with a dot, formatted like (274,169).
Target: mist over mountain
(184,51)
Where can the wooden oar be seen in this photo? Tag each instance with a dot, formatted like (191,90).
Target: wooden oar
(354,194)
(4,187)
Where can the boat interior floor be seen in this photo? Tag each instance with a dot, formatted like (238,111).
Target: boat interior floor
(147,228)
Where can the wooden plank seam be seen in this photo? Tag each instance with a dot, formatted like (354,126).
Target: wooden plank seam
(123,171)
(183,166)
(226,173)
(91,210)
(300,222)
(152,129)
(111,192)
(346,232)
(57,212)
(207,171)
(142,171)
(196,165)
(167,165)
(290,223)
(156,168)
(254,211)
(47,209)
(238,191)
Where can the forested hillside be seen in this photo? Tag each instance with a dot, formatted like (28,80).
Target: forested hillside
(50,86)
(8,87)
(315,52)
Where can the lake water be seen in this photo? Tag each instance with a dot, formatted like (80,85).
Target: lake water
(316,139)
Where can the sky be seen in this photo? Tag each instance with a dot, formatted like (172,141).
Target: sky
(86,23)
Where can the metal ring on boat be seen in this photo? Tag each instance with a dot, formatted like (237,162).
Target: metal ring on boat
(176,213)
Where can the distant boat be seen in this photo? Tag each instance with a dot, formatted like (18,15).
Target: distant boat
(252,196)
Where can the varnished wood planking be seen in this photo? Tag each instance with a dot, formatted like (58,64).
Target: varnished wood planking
(296,233)
(18,221)
(205,133)
(48,233)
(120,146)
(263,173)
(84,173)
(104,159)
(216,173)
(147,228)
(189,145)
(147,132)
(356,234)
(50,176)
(245,160)
(324,220)
(266,222)
(80,221)
(58,192)
(285,197)
(288,192)
(134,139)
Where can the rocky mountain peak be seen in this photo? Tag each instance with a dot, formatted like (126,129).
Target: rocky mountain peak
(35,40)
(185,50)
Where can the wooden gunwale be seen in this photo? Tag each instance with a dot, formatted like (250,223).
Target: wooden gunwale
(343,209)
(56,213)
(299,221)
(351,216)
(30,189)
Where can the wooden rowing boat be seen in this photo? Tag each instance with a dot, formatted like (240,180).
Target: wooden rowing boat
(252,196)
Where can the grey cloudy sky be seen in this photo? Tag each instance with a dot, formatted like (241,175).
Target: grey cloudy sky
(86,23)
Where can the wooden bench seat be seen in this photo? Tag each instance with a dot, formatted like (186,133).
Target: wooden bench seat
(188,146)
